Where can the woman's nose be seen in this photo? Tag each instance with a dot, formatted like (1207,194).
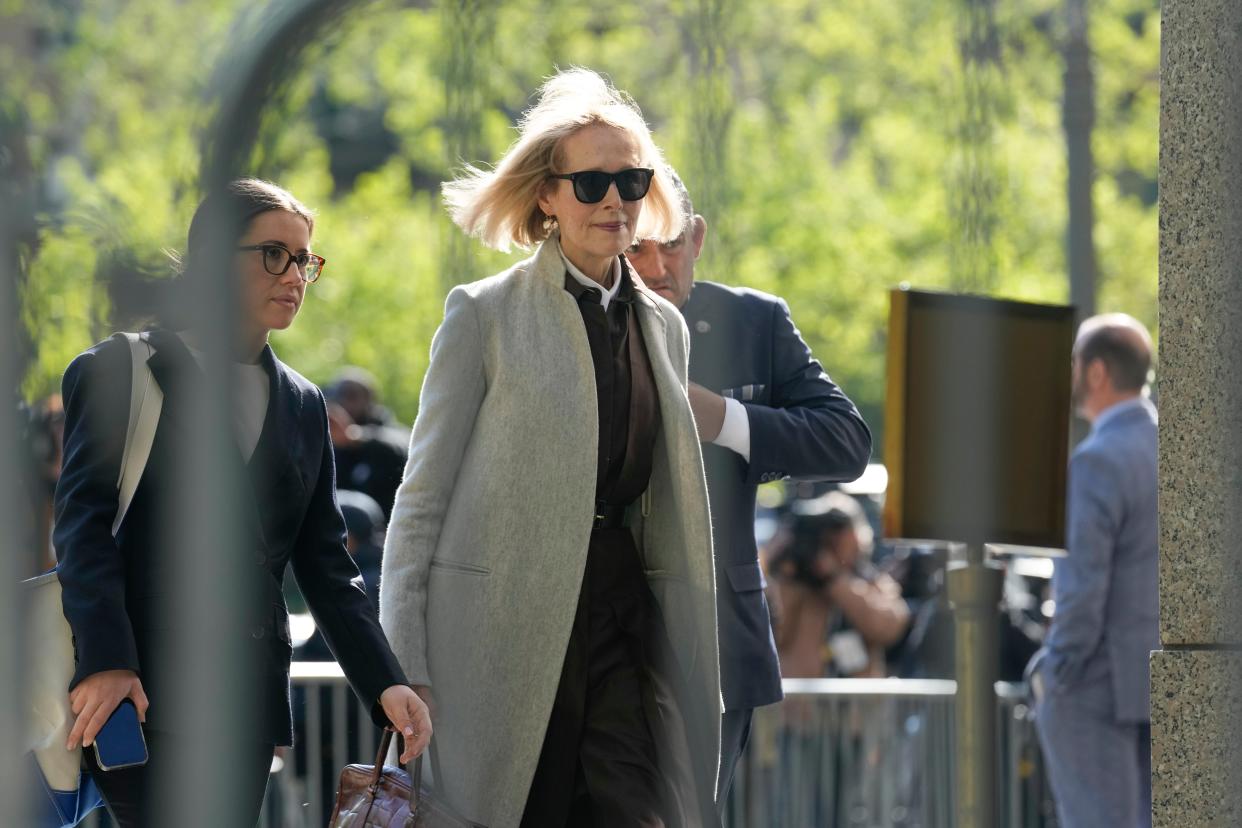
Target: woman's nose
(292,276)
(612,197)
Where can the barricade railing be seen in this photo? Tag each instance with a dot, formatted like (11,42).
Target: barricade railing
(836,752)
(839,752)
(878,752)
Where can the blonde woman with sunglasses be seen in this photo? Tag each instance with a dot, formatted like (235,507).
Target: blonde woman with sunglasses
(548,581)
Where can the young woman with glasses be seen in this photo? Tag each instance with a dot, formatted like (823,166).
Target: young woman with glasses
(113,588)
(548,571)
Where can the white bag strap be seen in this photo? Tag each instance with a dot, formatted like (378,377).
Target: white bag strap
(145,401)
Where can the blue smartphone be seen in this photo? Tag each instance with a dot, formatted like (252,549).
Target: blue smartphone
(120,743)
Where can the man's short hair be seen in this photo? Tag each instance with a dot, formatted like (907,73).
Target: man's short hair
(348,378)
(1122,343)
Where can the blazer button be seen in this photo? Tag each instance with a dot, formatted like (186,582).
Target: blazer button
(257,633)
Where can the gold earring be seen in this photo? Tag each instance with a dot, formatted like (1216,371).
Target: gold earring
(549,223)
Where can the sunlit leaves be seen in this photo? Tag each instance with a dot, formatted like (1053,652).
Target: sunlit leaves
(838,148)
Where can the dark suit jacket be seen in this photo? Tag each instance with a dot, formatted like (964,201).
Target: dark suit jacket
(743,344)
(114,590)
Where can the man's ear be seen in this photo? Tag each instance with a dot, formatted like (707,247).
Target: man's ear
(698,232)
(1097,374)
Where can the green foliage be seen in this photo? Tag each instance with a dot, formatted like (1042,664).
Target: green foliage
(821,140)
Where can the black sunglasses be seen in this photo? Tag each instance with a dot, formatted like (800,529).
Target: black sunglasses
(592,185)
(276,261)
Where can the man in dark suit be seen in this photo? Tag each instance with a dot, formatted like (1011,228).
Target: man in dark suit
(766,410)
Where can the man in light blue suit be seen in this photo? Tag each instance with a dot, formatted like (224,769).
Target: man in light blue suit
(1091,677)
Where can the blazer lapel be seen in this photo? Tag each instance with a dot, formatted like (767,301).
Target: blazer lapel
(280,423)
(276,469)
(176,371)
(655,334)
(548,268)
(276,461)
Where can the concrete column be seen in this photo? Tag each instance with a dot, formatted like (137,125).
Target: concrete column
(1196,679)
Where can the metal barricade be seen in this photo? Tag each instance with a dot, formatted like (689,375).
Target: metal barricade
(836,753)
(842,752)
(1025,796)
(878,752)
(331,730)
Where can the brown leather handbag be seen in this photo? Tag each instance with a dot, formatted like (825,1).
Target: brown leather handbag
(379,796)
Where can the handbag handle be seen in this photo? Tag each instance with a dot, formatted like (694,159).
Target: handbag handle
(416,777)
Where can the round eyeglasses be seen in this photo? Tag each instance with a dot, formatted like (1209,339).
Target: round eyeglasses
(276,261)
(591,186)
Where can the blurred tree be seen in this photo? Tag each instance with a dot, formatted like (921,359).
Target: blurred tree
(824,142)
(974,188)
(469,28)
(1079,118)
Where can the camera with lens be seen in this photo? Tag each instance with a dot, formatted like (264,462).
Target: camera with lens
(805,534)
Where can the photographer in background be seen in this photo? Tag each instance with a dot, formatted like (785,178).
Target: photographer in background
(834,613)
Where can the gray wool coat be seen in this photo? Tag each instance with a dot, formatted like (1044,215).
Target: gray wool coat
(488,539)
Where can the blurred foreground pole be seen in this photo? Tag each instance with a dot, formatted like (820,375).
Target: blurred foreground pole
(974,589)
(213,651)
(13,792)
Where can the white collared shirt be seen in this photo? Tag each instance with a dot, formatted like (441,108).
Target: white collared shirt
(735,431)
(606,296)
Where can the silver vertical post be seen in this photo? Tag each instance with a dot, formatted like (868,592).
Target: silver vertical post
(213,659)
(974,588)
(13,794)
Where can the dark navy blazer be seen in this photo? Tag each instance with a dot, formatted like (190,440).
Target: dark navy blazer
(743,344)
(113,590)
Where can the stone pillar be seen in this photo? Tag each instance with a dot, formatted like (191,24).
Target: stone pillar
(1196,678)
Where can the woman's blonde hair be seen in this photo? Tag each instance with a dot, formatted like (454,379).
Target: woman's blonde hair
(501,206)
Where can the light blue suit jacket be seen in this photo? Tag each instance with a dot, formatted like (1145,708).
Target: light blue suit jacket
(1107,600)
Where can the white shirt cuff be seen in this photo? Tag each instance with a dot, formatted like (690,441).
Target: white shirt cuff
(735,433)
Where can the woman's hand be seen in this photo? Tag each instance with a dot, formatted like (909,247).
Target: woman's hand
(409,717)
(96,697)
